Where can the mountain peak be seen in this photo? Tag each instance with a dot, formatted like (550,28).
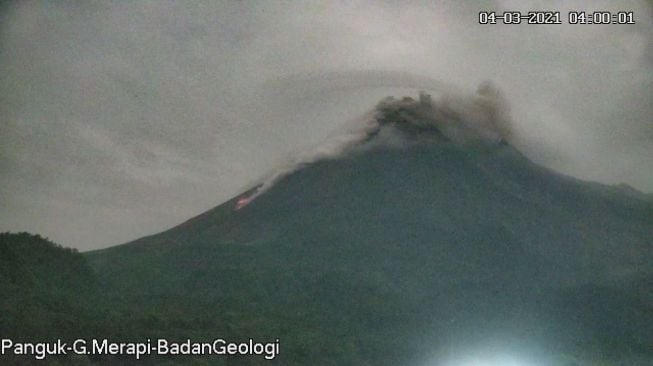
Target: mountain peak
(470,121)
(423,225)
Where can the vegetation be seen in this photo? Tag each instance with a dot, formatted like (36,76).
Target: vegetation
(379,258)
(51,293)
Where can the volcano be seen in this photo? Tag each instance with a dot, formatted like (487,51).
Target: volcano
(427,241)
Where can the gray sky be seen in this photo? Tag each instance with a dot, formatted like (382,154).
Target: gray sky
(120,119)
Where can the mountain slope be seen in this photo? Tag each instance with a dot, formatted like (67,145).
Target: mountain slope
(393,253)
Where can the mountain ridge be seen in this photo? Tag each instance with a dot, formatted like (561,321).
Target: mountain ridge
(427,215)
(410,238)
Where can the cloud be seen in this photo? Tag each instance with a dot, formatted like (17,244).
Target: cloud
(119,119)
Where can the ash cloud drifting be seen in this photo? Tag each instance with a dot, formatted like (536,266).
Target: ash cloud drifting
(119,119)
(479,119)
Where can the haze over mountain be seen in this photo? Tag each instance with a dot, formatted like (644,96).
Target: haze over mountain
(111,110)
(464,225)
(425,239)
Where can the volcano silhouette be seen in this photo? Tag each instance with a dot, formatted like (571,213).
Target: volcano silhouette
(408,253)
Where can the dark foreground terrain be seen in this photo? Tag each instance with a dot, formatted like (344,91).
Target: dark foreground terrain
(385,256)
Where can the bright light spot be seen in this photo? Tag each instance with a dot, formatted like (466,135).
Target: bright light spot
(493,356)
(491,363)
(503,360)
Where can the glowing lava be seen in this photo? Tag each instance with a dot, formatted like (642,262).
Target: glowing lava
(242,202)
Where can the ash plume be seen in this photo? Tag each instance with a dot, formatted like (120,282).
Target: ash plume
(464,119)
